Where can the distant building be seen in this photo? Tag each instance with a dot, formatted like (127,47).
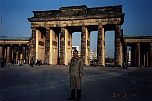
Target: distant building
(75,48)
(93,55)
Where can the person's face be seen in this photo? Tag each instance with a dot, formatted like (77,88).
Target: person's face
(75,54)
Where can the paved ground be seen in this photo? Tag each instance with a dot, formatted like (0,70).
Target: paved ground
(51,83)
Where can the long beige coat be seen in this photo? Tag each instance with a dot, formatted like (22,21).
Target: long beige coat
(76,72)
(76,67)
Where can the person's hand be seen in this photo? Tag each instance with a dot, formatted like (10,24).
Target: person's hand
(69,62)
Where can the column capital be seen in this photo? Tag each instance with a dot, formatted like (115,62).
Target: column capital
(138,44)
(47,28)
(118,26)
(63,28)
(100,24)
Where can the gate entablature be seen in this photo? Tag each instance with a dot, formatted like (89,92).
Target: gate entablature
(78,15)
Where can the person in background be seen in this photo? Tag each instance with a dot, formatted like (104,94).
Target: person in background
(2,62)
(13,62)
(32,62)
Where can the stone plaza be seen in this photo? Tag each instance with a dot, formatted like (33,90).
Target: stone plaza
(51,83)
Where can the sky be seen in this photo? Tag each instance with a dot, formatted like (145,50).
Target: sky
(137,21)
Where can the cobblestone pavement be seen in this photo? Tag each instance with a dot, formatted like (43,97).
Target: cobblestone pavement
(51,83)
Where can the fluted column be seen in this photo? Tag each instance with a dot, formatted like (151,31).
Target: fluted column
(147,59)
(118,46)
(83,42)
(37,45)
(17,57)
(133,55)
(8,54)
(101,45)
(62,46)
(33,44)
(13,57)
(85,45)
(150,55)
(28,53)
(53,59)
(138,55)
(41,45)
(4,53)
(1,52)
(24,53)
(27,50)
(11,53)
(68,46)
(125,53)
(47,46)
(21,52)
(65,46)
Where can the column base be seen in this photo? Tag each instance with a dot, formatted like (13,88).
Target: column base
(101,65)
(117,65)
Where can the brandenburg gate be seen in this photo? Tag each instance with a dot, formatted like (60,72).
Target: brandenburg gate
(52,33)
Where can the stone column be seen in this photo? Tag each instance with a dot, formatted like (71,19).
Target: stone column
(20,52)
(27,53)
(11,49)
(118,46)
(62,46)
(125,53)
(13,52)
(138,54)
(41,45)
(53,59)
(47,46)
(68,46)
(8,54)
(33,44)
(37,45)
(1,52)
(101,46)
(5,52)
(65,46)
(133,56)
(17,57)
(143,60)
(85,45)
(147,59)
(150,54)
(25,49)
(24,53)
